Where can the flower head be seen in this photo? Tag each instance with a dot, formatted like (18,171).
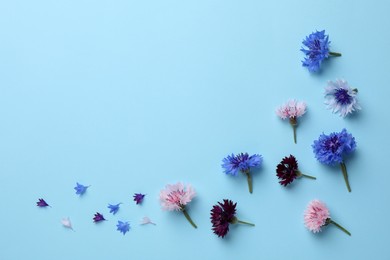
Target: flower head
(114,208)
(98,217)
(341,98)
(316,216)
(80,189)
(222,215)
(317,49)
(176,196)
(42,203)
(287,170)
(330,149)
(291,109)
(123,227)
(138,198)
(241,162)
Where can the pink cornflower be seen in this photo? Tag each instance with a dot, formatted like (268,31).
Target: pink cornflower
(176,197)
(317,216)
(292,110)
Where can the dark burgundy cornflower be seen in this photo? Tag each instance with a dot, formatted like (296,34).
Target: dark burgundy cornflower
(287,170)
(222,215)
(138,198)
(42,203)
(98,218)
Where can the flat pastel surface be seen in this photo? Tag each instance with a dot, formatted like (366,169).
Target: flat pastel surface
(128,96)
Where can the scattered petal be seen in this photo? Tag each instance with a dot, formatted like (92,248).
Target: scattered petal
(66,223)
(42,203)
(113,208)
(123,227)
(146,220)
(138,198)
(98,217)
(80,189)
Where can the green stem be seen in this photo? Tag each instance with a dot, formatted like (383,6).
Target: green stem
(340,227)
(335,54)
(308,176)
(345,174)
(246,223)
(249,179)
(295,133)
(294,123)
(189,218)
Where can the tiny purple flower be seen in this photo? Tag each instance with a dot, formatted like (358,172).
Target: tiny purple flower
(138,198)
(42,203)
(98,218)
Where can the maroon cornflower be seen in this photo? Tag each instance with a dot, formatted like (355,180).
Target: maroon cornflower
(222,215)
(138,198)
(42,203)
(287,170)
(98,218)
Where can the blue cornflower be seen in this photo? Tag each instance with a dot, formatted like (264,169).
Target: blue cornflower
(318,50)
(330,150)
(242,162)
(123,227)
(80,189)
(341,98)
(114,208)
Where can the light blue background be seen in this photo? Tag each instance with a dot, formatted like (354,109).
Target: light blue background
(127,96)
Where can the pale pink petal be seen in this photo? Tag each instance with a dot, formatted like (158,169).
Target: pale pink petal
(146,220)
(67,223)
